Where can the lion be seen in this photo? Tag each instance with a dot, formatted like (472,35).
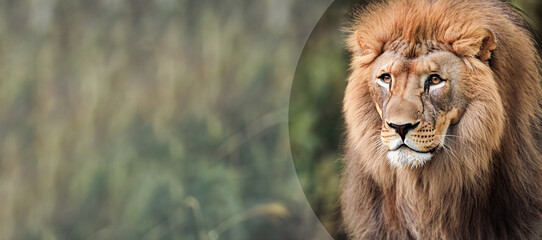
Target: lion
(443,123)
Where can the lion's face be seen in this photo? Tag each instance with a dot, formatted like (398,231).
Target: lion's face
(418,99)
(420,91)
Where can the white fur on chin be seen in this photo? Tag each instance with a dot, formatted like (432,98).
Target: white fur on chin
(405,157)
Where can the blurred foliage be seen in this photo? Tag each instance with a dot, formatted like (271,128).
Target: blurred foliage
(168,119)
(315,114)
(150,119)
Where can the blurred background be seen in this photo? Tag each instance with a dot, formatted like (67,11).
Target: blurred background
(172,119)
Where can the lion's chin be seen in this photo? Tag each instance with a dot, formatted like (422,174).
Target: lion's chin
(405,157)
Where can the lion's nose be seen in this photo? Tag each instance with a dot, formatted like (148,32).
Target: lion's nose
(402,129)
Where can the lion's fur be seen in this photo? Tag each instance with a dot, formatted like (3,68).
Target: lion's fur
(489,184)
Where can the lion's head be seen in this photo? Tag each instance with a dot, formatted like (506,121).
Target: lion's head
(443,101)
(429,81)
(420,95)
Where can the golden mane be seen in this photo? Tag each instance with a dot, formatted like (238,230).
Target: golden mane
(489,185)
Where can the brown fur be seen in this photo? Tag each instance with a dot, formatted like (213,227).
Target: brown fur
(488,183)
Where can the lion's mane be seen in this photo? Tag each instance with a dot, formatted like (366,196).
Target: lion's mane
(489,185)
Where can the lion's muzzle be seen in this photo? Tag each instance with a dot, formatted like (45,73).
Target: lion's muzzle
(409,144)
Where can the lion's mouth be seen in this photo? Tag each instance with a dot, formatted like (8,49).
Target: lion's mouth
(414,150)
(404,156)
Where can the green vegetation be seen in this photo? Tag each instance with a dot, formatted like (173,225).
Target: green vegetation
(170,119)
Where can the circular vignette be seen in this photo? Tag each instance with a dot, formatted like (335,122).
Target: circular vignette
(315,119)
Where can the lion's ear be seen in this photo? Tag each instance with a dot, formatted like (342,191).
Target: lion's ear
(489,43)
(480,44)
(363,49)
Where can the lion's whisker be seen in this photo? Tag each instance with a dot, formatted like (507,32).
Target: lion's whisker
(446,135)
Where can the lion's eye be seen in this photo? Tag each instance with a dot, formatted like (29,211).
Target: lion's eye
(384,80)
(434,81)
